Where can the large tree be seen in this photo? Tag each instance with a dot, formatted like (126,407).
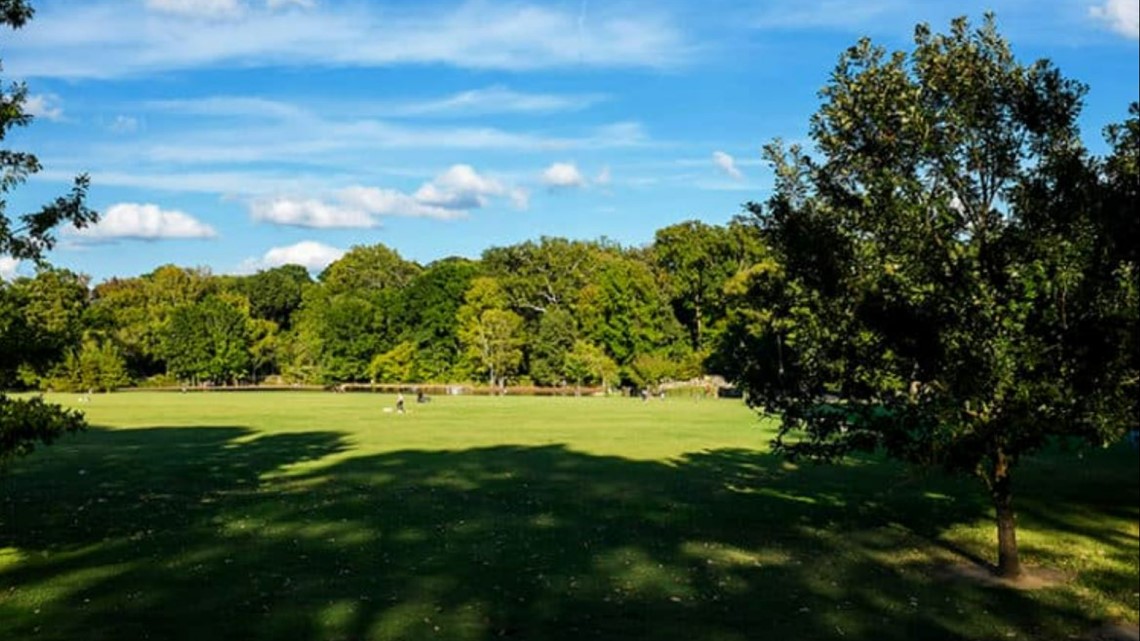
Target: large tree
(943,287)
(23,423)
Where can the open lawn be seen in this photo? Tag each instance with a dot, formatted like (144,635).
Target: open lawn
(210,516)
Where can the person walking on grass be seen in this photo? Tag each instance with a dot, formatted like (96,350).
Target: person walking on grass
(399,402)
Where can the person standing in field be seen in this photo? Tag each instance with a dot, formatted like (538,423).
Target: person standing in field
(400,402)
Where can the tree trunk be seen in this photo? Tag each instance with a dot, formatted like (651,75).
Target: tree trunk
(1009,566)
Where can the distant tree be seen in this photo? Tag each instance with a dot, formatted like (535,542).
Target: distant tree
(135,312)
(368,270)
(94,366)
(625,311)
(395,365)
(52,304)
(208,341)
(695,261)
(557,331)
(24,423)
(946,287)
(425,313)
(274,294)
(490,333)
(587,364)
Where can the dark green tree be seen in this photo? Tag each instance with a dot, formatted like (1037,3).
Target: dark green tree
(424,318)
(274,294)
(695,261)
(944,281)
(208,341)
(52,305)
(23,423)
(557,331)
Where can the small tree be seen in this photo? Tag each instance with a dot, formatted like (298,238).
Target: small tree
(588,363)
(95,366)
(945,286)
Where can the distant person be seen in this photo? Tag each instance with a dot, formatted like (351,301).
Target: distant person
(400,402)
(421,397)
(645,394)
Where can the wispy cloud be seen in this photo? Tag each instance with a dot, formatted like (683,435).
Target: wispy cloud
(490,100)
(105,39)
(727,164)
(1122,16)
(309,254)
(825,14)
(142,222)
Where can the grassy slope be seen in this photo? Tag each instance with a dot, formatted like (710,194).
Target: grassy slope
(319,516)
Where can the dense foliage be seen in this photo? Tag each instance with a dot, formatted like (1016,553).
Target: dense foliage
(552,312)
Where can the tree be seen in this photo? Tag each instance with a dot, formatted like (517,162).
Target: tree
(939,287)
(556,333)
(588,363)
(95,366)
(625,311)
(52,305)
(490,333)
(274,294)
(365,270)
(425,317)
(209,340)
(23,423)
(695,261)
(395,365)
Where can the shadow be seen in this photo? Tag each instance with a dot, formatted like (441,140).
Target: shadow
(192,533)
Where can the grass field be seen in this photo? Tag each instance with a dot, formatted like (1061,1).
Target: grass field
(212,516)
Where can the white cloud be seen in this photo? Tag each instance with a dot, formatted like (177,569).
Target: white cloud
(563,175)
(727,164)
(197,8)
(309,212)
(450,195)
(8,267)
(123,125)
(104,38)
(143,222)
(460,187)
(1122,16)
(309,254)
(374,201)
(44,106)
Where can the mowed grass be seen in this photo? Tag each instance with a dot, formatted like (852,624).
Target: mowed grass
(209,516)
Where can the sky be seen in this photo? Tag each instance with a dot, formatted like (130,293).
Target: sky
(238,135)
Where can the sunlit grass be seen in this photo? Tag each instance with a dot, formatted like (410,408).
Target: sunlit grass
(323,516)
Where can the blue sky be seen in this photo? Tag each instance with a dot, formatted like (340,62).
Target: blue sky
(241,134)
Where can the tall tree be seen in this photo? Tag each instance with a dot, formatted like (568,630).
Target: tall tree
(274,294)
(23,423)
(209,340)
(695,260)
(490,333)
(923,302)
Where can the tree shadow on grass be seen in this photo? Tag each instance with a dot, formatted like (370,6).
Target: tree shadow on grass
(192,533)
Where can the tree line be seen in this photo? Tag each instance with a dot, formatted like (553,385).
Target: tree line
(550,312)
